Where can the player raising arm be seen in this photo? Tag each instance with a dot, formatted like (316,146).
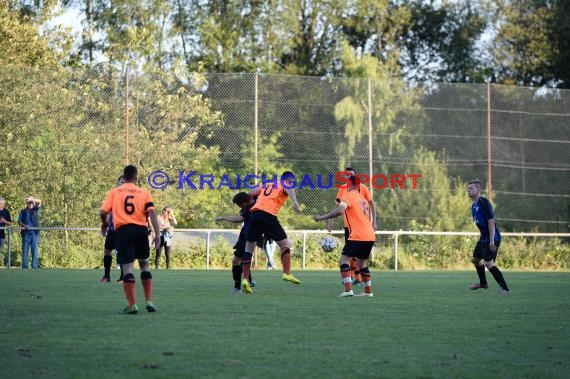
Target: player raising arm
(360,240)
(365,193)
(263,221)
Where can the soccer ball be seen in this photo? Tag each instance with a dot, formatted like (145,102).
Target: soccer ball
(328,243)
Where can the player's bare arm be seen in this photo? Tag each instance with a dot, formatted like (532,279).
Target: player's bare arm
(104,222)
(293,197)
(151,229)
(372,205)
(337,211)
(154,222)
(236,219)
(330,221)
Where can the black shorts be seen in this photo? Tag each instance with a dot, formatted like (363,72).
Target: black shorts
(132,243)
(346,234)
(358,249)
(239,247)
(482,251)
(110,240)
(264,224)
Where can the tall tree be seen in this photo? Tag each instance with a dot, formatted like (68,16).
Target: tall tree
(134,31)
(89,45)
(560,39)
(313,28)
(228,36)
(20,38)
(376,28)
(440,40)
(522,51)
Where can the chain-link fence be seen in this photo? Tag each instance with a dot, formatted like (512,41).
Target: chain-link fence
(67,134)
(443,132)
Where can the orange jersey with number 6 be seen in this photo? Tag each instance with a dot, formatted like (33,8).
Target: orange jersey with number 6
(130,205)
(358,216)
(270,199)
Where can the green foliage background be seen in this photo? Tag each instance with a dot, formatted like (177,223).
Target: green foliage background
(63,108)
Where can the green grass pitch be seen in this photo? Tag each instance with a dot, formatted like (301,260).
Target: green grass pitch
(65,324)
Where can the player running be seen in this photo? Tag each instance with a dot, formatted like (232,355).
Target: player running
(263,221)
(360,240)
(131,205)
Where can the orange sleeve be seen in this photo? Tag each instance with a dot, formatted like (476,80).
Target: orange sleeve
(149,203)
(108,203)
(339,195)
(345,199)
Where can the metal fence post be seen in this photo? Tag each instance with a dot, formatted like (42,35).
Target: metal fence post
(396,251)
(304,248)
(489,152)
(208,250)
(9,248)
(256,128)
(370,169)
(127,116)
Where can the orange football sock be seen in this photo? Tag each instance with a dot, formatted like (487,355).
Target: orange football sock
(147,287)
(129,288)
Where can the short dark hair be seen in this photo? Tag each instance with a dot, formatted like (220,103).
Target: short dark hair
(130,173)
(476,182)
(241,198)
(349,169)
(287,174)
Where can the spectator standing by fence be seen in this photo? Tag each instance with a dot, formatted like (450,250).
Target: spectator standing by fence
(5,220)
(29,217)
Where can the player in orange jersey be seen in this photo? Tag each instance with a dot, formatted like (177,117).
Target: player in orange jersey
(263,221)
(365,192)
(131,205)
(360,240)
